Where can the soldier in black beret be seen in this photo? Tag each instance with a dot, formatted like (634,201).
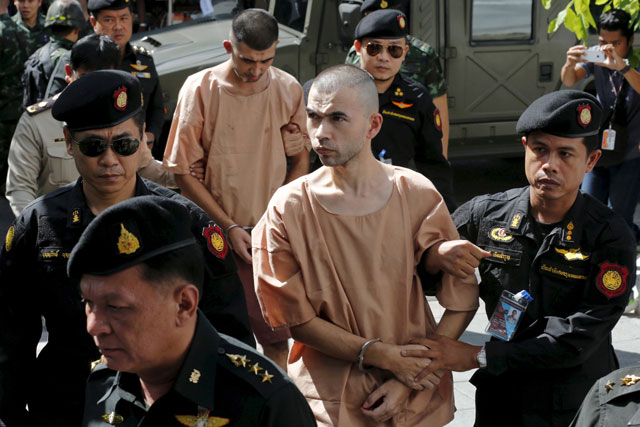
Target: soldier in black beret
(411,134)
(104,127)
(571,253)
(163,363)
(114,18)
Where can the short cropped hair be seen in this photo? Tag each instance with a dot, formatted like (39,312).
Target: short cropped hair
(186,264)
(340,76)
(614,20)
(256,28)
(95,52)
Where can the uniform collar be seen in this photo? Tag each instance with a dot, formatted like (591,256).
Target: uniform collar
(78,212)
(128,51)
(62,42)
(519,212)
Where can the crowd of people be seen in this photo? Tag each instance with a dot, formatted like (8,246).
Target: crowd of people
(156,279)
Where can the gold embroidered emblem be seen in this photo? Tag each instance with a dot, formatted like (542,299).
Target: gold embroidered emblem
(572,254)
(266,376)
(192,420)
(584,115)
(500,234)
(629,380)
(401,22)
(217,242)
(8,240)
(384,4)
(195,376)
(138,66)
(127,242)
(612,280)
(515,221)
(121,101)
(75,216)
(113,418)
(570,226)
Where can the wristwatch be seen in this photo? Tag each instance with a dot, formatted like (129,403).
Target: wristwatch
(481,357)
(625,70)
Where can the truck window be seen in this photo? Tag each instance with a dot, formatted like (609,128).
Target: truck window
(291,13)
(501,20)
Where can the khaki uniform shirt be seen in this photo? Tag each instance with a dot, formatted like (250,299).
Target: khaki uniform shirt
(238,136)
(359,273)
(39,162)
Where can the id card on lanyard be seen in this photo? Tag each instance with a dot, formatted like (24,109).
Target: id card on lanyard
(508,313)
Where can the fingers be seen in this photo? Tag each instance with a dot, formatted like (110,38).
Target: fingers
(428,375)
(373,398)
(430,382)
(291,128)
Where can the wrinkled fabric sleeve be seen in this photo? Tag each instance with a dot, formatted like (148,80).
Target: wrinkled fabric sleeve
(287,407)
(277,276)
(184,145)
(25,164)
(299,117)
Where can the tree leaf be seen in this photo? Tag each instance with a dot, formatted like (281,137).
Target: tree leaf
(557,22)
(546,4)
(601,2)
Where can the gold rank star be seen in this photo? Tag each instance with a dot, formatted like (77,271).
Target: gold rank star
(266,376)
(234,359)
(243,360)
(255,369)
(609,386)
(629,380)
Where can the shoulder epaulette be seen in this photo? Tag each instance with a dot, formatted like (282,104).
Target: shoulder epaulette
(41,106)
(141,50)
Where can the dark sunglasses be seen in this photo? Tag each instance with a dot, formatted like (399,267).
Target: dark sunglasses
(93,147)
(394,50)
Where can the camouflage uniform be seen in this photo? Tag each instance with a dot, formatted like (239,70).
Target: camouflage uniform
(36,36)
(12,57)
(421,64)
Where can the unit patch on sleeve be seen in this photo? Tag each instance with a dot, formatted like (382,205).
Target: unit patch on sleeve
(612,279)
(215,241)
(437,120)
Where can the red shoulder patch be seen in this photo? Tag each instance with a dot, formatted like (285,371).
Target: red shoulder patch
(437,120)
(216,242)
(612,279)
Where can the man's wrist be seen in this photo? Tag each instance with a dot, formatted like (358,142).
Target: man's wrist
(624,70)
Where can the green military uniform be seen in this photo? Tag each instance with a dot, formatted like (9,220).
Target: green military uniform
(12,57)
(37,35)
(222,382)
(421,64)
(614,400)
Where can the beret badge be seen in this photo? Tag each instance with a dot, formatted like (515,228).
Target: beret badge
(120,99)
(584,115)
(384,4)
(402,23)
(128,243)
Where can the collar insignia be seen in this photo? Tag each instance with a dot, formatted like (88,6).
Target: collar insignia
(629,380)
(398,92)
(138,66)
(584,115)
(113,418)
(240,360)
(128,243)
(120,99)
(195,376)
(8,240)
(401,104)
(515,221)
(75,216)
(609,386)
(572,254)
(499,234)
(95,363)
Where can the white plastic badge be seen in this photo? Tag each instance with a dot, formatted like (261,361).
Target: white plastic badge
(608,139)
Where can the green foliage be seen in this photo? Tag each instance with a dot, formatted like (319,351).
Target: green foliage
(577,18)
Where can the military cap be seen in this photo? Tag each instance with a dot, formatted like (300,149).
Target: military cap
(565,113)
(99,100)
(67,13)
(383,24)
(371,5)
(98,5)
(129,233)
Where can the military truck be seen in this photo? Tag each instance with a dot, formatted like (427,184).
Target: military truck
(496,55)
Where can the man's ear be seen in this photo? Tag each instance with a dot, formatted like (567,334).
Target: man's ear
(375,124)
(227,46)
(592,160)
(92,19)
(68,141)
(358,45)
(186,297)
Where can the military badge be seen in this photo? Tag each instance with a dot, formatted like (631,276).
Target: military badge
(629,380)
(572,254)
(138,66)
(401,104)
(612,279)
(402,23)
(398,92)
(584,115)
(437,120)
(609,386)
(120,99)
(128,243)
(515,221)
(384,4)
(215,241)
(198,421)
(8,240)
(113,418)
(75,216)
(499,234)
(195,376)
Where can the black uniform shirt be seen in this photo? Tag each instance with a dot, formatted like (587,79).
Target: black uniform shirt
(221,379)
(138,61)
(412,133)
(580,276)
(34,283)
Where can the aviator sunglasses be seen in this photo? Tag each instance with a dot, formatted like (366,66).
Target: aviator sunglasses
(94,146)
(395,51)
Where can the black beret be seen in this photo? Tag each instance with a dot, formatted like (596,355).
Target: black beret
(383,24)
(97,5)
(99,100)
(371,5)
(129,233)
(565,113)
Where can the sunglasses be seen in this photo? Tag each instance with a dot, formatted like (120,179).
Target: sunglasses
(394,50)
(93,146)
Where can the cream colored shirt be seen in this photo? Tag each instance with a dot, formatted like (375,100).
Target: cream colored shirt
(238,136)
(359,273)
